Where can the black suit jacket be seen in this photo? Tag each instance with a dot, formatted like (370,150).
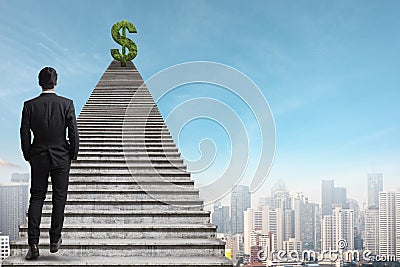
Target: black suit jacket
(48,116)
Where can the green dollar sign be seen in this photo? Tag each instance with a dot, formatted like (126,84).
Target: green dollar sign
(123,41)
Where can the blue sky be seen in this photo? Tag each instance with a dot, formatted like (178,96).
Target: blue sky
(329,70)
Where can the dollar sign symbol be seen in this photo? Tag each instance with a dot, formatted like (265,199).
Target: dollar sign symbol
(123,41)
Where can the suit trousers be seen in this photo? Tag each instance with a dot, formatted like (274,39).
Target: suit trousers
(41,167)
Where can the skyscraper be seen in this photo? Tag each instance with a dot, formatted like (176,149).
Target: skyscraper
(4,247)
(273,225)
(371,231)
(327,197)
(252,222)
(339,197)
(389,221)
(317,227)
(397,223)
(332,197)
(220,217)
(289,230)
(375,185)
(338,227)
(13,207)
(240,202)
(305,221)
(326,233)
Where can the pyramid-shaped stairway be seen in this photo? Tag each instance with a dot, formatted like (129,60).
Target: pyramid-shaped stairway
(131,201)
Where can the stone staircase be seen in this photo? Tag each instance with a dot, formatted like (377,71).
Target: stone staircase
(131,201)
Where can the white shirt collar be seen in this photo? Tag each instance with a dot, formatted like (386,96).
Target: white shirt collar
(48,91)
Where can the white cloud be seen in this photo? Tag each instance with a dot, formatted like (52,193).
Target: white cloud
(6,164)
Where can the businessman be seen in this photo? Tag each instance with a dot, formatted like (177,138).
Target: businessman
(48,116)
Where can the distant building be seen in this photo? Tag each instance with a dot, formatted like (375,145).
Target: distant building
(252,222)
(317,227)
(240,202)
(305,221)
(21,177)
(13,207)
(371,231)
(332,197)
(288,231)
(4,247)
(389,224)
(292,245)
(264,201)
(339,197)
(273,224)
(280,200)
(375,185)
(326,233)
(237,248)
(338,230)
(254,254)
(327,197)
(220,217)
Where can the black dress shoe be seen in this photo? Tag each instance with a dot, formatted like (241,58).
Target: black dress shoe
(54,247)
(33,252)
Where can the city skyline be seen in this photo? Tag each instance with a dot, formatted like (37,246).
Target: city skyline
(288,221)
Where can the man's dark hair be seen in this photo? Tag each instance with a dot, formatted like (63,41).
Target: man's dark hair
(47,78)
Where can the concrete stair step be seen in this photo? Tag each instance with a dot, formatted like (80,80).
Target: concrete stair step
(128,135)
(130,145)
(139,136)
(143,115)
(119,127)
(138,131)
(117,182)
(119,123)
(147,169)
(156,171)
(48,259)
(112,149)
(148,247)
(142,164)
(119,115)
(125,187)
(140,110)
(134,191)
(131,153)
(135,204)
(128,231)
(129,162)
(115,99)
(124,117)
(99,217)
(128,177)
(134,117)
(109,95)
(189,194)
(101,124)
(130,159)
(151,140)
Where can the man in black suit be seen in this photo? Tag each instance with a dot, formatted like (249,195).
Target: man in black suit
(48,116)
